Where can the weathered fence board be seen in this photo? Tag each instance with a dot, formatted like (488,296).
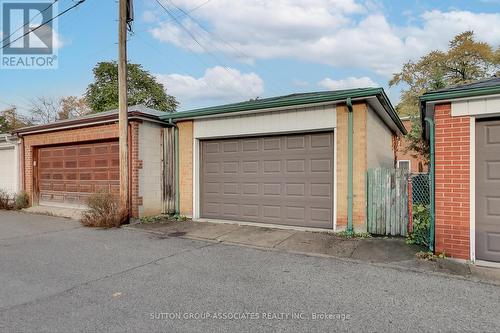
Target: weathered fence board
(387,202)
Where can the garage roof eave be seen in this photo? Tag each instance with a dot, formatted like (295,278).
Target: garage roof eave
(93,119)
(259,105)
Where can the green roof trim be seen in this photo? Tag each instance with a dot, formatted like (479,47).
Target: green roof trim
(454,94)
(292,100)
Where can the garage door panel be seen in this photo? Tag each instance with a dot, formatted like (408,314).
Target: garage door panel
(488,190)
(69,174)
(283,179)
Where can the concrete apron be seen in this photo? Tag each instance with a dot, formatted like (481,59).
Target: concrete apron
(386,251)
(67,212)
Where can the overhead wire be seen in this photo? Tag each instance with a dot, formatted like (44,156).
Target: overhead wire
(27,23)
(45,23)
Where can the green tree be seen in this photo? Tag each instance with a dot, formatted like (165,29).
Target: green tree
(466,60)
(10,120)
(102,94)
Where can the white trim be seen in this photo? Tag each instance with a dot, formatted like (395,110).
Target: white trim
(257,124)
(472,188)
(409,164)
(486,105)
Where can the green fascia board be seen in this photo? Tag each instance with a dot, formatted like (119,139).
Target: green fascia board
(454,94)
(291,101)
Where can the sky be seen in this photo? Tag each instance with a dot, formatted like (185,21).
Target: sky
(214,52)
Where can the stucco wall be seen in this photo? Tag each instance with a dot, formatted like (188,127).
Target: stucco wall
(379,145)
(150,175)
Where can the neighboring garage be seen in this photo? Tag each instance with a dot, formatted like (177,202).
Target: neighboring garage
(467,169)
(284,160)
(66,161)
(68,174)
(9,163)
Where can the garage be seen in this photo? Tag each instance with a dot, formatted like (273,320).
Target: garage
(285,179)
(9,163)
(69,174)
(488,190)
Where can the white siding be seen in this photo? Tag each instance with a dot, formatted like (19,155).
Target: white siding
(9,167)
(379,142)
(150,174)
(474,107)
(293,120)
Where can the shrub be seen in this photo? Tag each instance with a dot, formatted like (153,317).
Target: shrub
(5,200)
(104,211)
(421,226)
(22,200)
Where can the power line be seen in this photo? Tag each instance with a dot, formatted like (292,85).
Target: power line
(225,67)
(238,51)
(46,22)
(21,27)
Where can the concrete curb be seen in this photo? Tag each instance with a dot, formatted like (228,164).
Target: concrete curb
(452,266)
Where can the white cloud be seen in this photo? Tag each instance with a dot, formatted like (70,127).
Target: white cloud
(342,33)
(347,83)
(217,84)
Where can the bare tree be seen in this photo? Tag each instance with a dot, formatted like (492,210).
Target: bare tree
(73,107)
(45,110)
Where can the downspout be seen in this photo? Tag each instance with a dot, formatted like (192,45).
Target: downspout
(176,151)
(350,136)
(430,122)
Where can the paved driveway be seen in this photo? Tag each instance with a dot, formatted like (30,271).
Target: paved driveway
(58,277)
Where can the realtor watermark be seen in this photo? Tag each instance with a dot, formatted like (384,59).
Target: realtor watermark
(29,34)
(243,316)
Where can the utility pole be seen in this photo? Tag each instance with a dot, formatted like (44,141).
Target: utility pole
(122,106)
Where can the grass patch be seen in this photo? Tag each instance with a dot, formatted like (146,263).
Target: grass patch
(349,235)
(429,256)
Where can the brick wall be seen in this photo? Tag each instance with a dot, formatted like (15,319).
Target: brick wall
(186,167)
(452,183)
(91,133)
(359,166)
(403,154)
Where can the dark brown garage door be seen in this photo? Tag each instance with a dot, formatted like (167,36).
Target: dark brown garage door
(488,190)
(285,179)
(68,174)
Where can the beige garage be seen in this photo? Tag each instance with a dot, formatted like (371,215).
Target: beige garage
(284,160)
(281,179)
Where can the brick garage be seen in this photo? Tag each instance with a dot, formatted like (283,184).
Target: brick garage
(467,169)
(64,184)
(282,119)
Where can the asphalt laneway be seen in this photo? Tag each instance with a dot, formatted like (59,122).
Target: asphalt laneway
(56,276)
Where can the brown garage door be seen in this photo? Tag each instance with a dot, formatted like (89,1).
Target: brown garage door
(286,179)
(488,190)
(68,174)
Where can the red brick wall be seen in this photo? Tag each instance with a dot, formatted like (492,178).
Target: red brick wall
(91,133)
(401,153)
(452,183)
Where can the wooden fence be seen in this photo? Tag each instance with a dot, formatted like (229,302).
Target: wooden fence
(387,202)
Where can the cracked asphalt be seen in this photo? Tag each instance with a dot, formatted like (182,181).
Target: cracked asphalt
(56,276)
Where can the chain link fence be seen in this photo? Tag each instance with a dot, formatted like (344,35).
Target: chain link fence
(419,207)
(420,189)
